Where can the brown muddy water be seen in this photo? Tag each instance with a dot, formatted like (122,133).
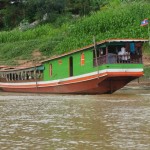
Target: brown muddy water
(120,121)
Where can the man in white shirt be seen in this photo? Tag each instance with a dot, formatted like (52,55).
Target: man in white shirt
(123,55)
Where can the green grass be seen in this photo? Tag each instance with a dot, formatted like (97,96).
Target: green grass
(121,22)
(147,49)
(147,72)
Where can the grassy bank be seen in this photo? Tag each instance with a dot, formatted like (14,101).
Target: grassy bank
(147,72)
(122,21)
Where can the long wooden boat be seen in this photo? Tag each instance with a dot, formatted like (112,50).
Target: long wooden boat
(103,67)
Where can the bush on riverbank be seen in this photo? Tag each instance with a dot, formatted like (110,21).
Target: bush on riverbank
(121,22)
(147,72)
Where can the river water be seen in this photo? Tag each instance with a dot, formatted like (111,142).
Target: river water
(120,121)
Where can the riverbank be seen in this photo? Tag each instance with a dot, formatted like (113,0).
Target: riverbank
(136,86)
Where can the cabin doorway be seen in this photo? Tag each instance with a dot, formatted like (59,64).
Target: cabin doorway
(71,66)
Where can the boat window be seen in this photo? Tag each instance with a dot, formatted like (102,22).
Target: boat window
(11,78)
(59,61)
(82,59)
(51,70)
(7,77)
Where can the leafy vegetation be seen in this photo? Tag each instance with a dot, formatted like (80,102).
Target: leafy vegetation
(115,20)
(147,72)
(16,11)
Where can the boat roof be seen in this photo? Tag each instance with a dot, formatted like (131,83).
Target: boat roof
(19,68)
(97,43)
(1,67)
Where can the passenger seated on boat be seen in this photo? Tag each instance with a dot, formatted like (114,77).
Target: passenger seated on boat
(123,56)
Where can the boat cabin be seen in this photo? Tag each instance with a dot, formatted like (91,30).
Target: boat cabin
(109,52)
(118,51)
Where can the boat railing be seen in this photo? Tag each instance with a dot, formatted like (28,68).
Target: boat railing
(21,77)
(117,59)
(18,81)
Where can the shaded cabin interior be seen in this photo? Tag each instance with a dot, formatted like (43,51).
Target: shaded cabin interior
(110,53)
(89,59)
